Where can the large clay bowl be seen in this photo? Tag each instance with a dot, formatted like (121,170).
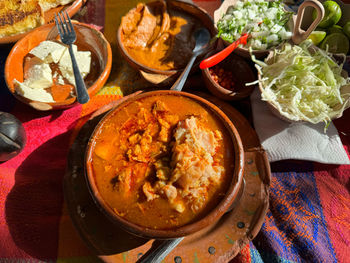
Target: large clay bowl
(88,38)
(166,77)
(208,219)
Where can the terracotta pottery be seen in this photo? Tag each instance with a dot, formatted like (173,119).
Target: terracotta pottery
(71,9)
(88,38)
(180,231)
(242,74)
(218,243)
(167,77)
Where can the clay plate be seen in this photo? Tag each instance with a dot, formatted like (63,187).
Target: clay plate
(219,243)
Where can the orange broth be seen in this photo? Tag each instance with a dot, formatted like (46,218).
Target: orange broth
(109,156)
(159,38)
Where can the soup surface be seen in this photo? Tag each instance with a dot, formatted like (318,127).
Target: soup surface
(162,161)
(158,37)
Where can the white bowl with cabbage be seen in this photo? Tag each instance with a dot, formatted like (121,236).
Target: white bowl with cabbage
(268,24)
(303,83)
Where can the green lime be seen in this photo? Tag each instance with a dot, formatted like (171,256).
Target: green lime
(336,42)
(334,29)
(332,14)
(346,29)
(317,36)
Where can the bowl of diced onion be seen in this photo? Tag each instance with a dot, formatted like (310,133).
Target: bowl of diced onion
(302,83)
(268,24)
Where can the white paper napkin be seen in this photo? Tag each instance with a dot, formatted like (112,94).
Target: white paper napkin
(302,141)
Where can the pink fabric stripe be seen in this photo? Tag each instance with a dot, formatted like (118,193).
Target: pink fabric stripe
(31,195)
(335,199)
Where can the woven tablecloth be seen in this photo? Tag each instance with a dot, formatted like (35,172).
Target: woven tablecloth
(308,219)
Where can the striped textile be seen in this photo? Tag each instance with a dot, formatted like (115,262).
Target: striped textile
(308,219)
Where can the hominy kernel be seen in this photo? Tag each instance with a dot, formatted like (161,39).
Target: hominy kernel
(222,77)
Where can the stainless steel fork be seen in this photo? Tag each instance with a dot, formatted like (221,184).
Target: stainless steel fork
(68,37)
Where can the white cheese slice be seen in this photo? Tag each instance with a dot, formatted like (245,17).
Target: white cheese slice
(33,94)
(49,51)
(38,75)
(60,80)
(84,62)
(83,59)
(55,75)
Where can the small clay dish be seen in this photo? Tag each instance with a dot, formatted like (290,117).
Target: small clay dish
(233,185)
(88,39)
(236,71)
(177,7)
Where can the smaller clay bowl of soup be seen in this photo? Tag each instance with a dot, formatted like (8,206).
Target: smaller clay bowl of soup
(227,79)
(164,164)
(39,72)
(157,39)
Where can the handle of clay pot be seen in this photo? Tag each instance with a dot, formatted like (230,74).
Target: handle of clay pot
(300,35)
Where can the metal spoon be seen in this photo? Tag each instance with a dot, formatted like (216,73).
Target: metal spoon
(202,37)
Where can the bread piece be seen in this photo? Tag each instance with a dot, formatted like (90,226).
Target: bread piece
(48,4)
(19,16)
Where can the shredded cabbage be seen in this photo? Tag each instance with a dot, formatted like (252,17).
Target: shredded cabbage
(304,84)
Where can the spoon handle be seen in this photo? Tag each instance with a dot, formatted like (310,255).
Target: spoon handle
(180,82)
(220,56)
(157,255)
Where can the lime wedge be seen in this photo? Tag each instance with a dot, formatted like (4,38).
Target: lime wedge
(334,29)
(336,42)
(317,37)
(332,14)
(346,29)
